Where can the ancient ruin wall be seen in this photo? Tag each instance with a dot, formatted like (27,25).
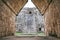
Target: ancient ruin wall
(52,19)
(42,5)
(8,12)
(51,11)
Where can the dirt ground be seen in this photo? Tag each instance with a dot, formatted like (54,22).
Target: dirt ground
(29,38)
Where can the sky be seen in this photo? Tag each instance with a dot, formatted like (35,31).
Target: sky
(29,4)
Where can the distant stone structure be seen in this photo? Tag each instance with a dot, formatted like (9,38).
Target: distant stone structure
(29,20)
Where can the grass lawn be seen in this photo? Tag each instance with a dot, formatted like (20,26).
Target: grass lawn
(39,33)
(18,33)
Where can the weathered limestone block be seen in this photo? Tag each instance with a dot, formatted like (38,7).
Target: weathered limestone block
(15,5)
(52,19)
(8,11)
(51,11)
(42,5)
(7,20)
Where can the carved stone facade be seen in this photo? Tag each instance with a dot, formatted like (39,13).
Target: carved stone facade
(30,20)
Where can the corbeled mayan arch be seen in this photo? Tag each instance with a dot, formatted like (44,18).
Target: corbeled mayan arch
(8,11)
(42,5)
(49,8)
(51,11)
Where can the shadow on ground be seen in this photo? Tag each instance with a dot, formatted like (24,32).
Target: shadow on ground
(29,38)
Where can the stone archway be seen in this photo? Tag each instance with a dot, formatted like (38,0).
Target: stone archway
(50,9)
(8,12)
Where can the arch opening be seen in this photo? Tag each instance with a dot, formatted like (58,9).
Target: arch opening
(30,21)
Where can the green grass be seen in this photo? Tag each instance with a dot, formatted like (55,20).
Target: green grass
(18,33)
(39,33)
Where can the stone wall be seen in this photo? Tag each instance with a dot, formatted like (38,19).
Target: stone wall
(42,5)
(8,12)
(7,23)
(52,19)
(29,20)
(51,11)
